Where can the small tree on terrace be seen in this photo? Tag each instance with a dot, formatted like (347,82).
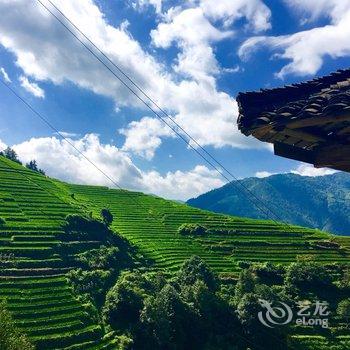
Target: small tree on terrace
(9,153)
(33,165)
(343,310)
(107,217)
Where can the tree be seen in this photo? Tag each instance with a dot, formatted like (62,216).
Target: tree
(195,269)
(9,153)
(305,276)
(343,309)
(107,217)
(245,284)
(10,337)
(125,301)
(33,165)
(170,320)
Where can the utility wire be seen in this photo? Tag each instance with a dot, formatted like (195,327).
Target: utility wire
(264,208)
(115,183)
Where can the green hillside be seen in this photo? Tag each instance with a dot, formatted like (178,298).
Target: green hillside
(321,202)
(33,270)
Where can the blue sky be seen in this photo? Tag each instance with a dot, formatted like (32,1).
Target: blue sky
(192,57)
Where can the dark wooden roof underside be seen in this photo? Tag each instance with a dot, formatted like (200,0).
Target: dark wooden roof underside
(309,121)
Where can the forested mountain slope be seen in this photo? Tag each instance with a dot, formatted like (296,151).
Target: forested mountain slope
(321,202)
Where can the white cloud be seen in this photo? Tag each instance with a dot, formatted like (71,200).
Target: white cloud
(144,137)
(60,160)
(193,33)
(184,185)
(5,75)
(262,174)
(66,134)
(255,11)
(306,50)
(45,51)
(309,170)
(31,87)
(141,4)
(2,145)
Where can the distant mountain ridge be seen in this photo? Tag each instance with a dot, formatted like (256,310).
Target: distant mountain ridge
(321,202)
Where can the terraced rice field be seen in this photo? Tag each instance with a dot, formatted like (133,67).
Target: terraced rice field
(32,273)
(151,224)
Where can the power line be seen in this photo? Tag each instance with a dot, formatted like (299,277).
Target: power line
(264,208)
(70,143)
(115,183)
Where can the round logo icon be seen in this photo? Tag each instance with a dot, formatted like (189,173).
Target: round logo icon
(274,315)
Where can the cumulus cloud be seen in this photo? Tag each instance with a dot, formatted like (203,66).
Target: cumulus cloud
(45,51)
(31,87)
(59,159)
(263,174)
(144,137)
(2,145)
(255,11)
(309,170)
(306,50)
(5,75)
(141,4)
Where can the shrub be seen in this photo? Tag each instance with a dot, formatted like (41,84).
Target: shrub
(88,227)
(343,310)
(192,230)
(32,165)
(9,153)
(107,217)
(10,337)
(195,269)
(92,283)
(103,258)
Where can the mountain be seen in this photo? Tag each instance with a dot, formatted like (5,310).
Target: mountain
(59,273)
(321,202)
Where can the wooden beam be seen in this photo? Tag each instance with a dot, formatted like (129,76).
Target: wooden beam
(302,135)
(317,121)
(332,155)
(295,153)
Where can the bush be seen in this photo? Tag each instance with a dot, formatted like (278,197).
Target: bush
(195,269)
(192,230)
(92,283)
(2,222)
(103,258)
(107,217)
(10,337)
(9,153)
(88,227)
(343,310)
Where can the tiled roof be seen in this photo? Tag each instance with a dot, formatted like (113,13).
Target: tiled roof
(306,116)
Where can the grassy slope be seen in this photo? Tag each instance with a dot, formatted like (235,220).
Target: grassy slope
(151,224)
(35,286)
(32,274)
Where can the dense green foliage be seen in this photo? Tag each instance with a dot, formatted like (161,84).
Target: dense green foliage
(32,165)
(10,154)
(321,202)
(107,216)
(10,337)
(73,282)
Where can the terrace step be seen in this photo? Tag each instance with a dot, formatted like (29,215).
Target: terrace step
(13,272)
